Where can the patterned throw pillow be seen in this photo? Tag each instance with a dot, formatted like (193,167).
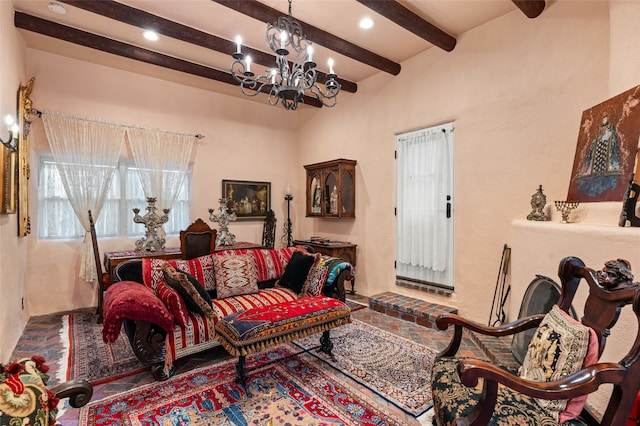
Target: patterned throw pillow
(557,349)
(297,270)
(194,295)
(235,275)
(172,299)
(316,278)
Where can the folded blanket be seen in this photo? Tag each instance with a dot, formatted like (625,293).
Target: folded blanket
(335,266)
(131,300)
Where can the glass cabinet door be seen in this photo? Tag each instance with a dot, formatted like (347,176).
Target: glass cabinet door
(315,193)
(348,195)
(331,194)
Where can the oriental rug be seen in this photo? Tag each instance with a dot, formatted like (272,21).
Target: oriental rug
(89,357)
(290,391)
(397,369)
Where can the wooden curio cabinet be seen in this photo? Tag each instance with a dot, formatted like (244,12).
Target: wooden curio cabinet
(331,189)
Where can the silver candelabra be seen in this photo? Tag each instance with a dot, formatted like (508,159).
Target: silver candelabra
(152,221)
(224,238)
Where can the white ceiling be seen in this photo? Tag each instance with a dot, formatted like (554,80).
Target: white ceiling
(339,17)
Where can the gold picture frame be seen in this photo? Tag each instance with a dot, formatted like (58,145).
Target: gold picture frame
(247,199)
(8,184)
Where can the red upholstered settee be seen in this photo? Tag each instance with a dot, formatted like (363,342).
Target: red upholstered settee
(160,331)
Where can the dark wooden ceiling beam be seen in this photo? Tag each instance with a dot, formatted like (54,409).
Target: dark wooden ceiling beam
(531,8)
(267,14)
(104,44)
(141,19)
(402,16)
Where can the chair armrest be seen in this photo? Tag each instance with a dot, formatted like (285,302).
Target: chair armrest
(460,323)
(79,392)
(580,383)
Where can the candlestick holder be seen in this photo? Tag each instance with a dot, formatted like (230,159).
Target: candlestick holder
(565,207)
(152,221)
(224,238)
(287,237)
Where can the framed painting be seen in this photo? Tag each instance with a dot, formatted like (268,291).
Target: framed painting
(606,150)
(248,200)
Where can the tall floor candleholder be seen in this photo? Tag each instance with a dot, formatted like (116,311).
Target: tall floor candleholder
(565,207)
(288,226)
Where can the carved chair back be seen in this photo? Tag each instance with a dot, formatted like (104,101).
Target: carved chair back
(269,230)
(197,240)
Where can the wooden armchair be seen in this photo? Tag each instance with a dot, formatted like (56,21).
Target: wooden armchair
(505,398)
(197,240)
(103,277)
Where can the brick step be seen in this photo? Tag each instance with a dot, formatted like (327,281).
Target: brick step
(409,309)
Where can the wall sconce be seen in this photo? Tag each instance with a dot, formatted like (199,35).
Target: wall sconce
(12,143)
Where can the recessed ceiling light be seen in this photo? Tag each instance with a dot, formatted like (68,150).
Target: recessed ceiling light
(56,7)
(366,23)
(150,35)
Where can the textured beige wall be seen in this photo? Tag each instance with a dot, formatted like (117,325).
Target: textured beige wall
(515,89)
(12,248)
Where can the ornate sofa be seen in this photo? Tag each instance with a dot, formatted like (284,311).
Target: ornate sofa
(161,331)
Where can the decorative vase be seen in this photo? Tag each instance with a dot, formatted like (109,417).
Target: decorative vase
(152,221)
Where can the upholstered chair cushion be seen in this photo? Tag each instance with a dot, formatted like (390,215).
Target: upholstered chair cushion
(297,270)
(192,292)
(235,275)
(24,396)
(559,348)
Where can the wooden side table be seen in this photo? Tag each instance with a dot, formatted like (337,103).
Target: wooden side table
(113,258)
(342,249)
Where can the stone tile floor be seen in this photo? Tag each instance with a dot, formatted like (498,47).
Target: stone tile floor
(41,336)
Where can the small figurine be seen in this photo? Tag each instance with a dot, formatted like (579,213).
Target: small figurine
(538,201)
(334,200)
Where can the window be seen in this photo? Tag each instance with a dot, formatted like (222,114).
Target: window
(56,219)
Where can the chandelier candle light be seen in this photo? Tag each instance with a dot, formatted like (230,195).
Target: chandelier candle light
(289,81)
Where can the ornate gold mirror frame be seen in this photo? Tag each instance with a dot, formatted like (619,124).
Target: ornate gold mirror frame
(8,175)
(25,106)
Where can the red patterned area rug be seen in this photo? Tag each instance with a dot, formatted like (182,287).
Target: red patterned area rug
(289,391)
(89,358)
(397,369)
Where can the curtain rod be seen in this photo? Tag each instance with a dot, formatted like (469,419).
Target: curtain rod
(91,120)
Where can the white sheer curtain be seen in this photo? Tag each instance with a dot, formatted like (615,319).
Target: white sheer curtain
(162,160)
(424,180)
(86,153)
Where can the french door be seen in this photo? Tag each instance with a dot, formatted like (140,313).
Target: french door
(424,214)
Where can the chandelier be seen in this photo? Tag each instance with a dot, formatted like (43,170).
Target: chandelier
(288,82)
